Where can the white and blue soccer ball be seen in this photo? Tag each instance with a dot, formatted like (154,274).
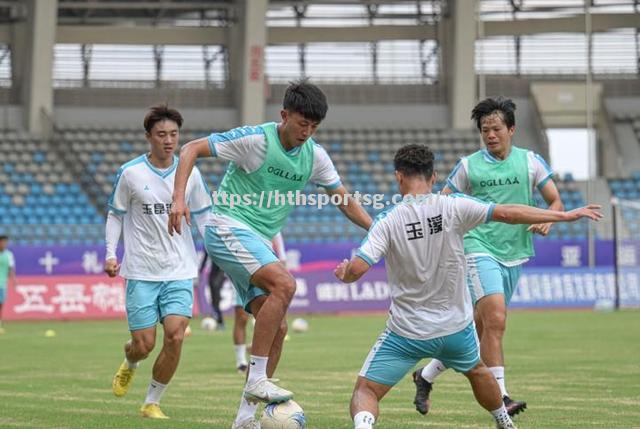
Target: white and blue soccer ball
(286,415)
(299,325)
(209,324)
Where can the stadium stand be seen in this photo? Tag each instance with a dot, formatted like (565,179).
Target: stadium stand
(39,198)
(48,187)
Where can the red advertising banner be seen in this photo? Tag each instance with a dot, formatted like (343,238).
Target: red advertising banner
(65,297)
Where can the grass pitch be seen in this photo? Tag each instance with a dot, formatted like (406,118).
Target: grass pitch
(575,369)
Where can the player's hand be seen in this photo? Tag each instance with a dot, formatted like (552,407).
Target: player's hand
(590,211)
(178,210)
(341,269)
(540,228)
(111,267)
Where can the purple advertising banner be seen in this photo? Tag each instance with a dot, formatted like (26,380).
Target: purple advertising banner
(73,260)
(557,277)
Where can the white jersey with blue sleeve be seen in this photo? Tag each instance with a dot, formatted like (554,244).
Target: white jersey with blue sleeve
(422,242)
(539,172)
(142,196)
(246,147)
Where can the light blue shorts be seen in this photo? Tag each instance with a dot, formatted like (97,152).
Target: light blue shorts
(150,302)
(393,356)
(240,253)
(3,294)
(486,276)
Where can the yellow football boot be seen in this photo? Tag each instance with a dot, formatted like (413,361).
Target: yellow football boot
(122,379)
(152,411)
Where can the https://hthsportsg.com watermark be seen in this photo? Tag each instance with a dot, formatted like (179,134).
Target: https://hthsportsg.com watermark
(268,199)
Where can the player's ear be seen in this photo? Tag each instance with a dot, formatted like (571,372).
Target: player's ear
(284,115)
(398,177)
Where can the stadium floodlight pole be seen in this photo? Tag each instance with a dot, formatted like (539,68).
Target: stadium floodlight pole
(591,143)
(616,265)
(482,78)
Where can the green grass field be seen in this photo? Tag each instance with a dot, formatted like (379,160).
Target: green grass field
(575,369)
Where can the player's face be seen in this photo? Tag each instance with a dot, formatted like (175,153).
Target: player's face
(296,129)
(3,245)
(496,136)
(163,139)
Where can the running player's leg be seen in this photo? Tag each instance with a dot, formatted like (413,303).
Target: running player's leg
(460,351)
(255,271)
(175,303)
(390,358)
(491,286)
(142,317)
(216,280)
(240,338)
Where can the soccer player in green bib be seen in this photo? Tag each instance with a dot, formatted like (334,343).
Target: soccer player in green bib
(7,273)
(503,174)
(268,163)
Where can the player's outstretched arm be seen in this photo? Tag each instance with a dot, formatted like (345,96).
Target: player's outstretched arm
(351,208)
(521,214)
(551,195)
(188,154)
(350,271)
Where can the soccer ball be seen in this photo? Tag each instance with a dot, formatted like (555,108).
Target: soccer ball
(287,415)
(208,324)
(300,325)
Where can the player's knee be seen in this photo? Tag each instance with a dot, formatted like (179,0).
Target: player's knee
(144,346)
(284,328)
(174,338)
(495,322)
(284,287)
(477,371)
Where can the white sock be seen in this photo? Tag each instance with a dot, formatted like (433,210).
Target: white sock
(257,368)
(154,393)
(501,416)
(245,411)
(131,365)
(241,354)
(363,420)
(498,374)
(434,369)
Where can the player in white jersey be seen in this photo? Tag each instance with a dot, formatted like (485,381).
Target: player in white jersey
(159,269)
(431,314)
(268,163)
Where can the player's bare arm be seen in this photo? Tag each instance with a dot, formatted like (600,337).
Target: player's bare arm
(522,214)
(188,154)
(352,209)
(551,195)
(350,271)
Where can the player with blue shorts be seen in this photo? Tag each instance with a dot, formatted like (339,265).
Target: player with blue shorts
(269,163)
(505,174)
(241,318)
(7,273)
(158,269)
(431,315)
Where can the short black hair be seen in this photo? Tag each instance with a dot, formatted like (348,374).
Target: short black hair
(4,237)
(159,113)
(305,98)
(489,106)
(414,160)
